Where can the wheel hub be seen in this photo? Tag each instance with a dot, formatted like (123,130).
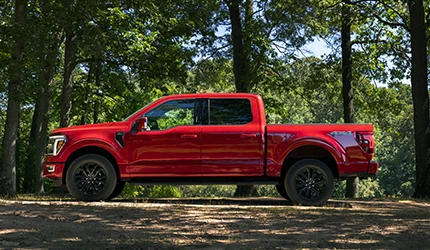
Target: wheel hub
(90,178)
(310,183)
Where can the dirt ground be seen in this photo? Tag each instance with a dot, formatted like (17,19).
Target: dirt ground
(264,223)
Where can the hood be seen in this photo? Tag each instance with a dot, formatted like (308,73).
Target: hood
(122,126)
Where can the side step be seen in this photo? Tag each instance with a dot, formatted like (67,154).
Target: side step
(202,181)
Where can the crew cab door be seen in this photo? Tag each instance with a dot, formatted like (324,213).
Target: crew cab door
(171,144)
(231,138)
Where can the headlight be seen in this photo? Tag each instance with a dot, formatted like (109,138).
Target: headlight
(55,144)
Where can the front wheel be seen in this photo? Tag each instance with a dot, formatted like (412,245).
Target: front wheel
(91,177)
(309,182)
(118,189)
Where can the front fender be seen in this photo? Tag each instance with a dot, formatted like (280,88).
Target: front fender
(113,148)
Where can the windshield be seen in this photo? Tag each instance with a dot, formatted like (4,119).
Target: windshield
(136,112)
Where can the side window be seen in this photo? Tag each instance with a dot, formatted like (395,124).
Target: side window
(171,114)
(229,111)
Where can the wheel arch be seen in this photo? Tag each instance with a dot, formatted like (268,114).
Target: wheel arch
(90,150)
(320,152)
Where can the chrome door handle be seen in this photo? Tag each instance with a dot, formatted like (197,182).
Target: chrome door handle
(188,136)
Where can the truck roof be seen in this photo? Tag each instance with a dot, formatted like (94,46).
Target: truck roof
(212,95)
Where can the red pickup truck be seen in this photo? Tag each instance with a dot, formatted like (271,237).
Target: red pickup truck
(208,139)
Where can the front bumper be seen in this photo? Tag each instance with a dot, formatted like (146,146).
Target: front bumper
(53,170)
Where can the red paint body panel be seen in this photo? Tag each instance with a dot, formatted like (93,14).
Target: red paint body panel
(214,150)
(172,151)
(235,150)
(338,139)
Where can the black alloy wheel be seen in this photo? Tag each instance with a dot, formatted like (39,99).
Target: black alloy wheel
(91,177)
(309,182)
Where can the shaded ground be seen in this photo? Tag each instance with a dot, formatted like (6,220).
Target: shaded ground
(264,223)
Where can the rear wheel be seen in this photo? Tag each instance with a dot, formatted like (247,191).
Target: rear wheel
(282,192)
(309,182)
(91,177)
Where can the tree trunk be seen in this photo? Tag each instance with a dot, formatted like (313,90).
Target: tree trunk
(43,101)
(29,168)
(8,170)
(239,68)
(69,68)
(420,98)
(18,158)
(87,90)
(241,63)
(98,83)
(347,91)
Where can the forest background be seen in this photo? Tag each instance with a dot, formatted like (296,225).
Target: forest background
(71,62)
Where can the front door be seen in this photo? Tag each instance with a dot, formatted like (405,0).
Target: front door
(171,145)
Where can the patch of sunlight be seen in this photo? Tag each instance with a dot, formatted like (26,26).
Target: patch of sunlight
(354,241)
(10,231)
(74,239)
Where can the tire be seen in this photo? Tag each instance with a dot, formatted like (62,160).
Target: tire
(91,177)
(282,192)
(118,189)
(309,182)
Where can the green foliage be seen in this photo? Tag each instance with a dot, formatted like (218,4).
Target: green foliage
(132,191)
(370,188)
(137,191)
(133,52)
(164,192)
(210,191)
(339,190)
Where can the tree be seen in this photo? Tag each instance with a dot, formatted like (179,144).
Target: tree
(69,62)
(347,91)
(419,78)
(50,52)
(8,171)
(241,40)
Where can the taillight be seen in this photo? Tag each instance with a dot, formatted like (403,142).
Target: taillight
(367,142)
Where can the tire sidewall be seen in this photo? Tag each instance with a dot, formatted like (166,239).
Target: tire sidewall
(282,192)
(111,178)
(289,181)
(117,191)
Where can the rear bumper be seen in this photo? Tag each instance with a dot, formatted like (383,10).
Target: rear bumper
(372,169)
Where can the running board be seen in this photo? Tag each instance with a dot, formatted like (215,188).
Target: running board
(201,181)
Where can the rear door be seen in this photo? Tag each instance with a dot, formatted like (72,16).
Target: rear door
(231,138)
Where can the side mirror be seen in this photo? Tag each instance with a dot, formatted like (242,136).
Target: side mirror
(141,124)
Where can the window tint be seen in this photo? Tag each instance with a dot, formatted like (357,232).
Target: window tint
(229,111)
(171,114)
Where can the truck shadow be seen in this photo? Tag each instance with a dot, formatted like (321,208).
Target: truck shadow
(252,201)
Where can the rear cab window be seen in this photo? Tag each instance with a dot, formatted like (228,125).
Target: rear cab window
(227,111)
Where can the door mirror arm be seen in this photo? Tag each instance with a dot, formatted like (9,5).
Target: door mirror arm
(141,124)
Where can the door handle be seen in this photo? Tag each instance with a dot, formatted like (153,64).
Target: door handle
(188,136)
(248,135)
